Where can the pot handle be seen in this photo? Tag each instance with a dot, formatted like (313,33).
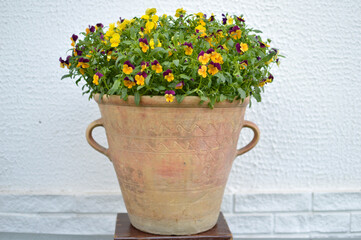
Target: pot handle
(90,139)
(255,139)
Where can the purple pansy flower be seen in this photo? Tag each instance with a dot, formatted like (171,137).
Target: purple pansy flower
(78,52)
(233,29)
(143,40)
(258,58)
(165,73)
(244,61)
(155,62)
(170,92)
(100,25)
(142,74)
(240,19)
(145,63)
(238,47)
(220,46)
(91,28)
(74,37)
(217,65)
(261,44)
(99,74)
(188,44)
(200,54)
(224,19)
(179,85)
(209,51)
(129,64)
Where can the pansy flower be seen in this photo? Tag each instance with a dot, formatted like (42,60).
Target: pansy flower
(235,32)
(96,78)
(179,85)
(220,33)
(180,12)
(77,52)
(204,57)
(241,19)
(151,43)
(144,65)
(143,43)
(214,68)
(169,95)
(202,70)
(262,44)
(115,40)
(128,83)
(188,50)
(211,19)
(73,39)
(151,11)
(243,64)
(128,67)
(92,29)
(201,29)
(268,80)
(64,63)
(168,75)
(215,57)
(241,47)
(100,25)
(83,63)
(140,77)
(157,67)
(224,19)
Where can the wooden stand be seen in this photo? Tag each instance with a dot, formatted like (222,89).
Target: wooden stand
(125,231)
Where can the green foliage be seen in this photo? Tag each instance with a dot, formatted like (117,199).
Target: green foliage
(237,61)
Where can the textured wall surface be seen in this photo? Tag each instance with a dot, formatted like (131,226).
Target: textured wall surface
(309,118)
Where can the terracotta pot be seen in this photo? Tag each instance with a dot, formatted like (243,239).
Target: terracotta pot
(172,160)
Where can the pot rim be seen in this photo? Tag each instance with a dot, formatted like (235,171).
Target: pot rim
(159,101)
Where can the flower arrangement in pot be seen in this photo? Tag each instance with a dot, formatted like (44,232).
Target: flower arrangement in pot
(172,92)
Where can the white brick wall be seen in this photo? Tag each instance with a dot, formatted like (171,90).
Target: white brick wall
(309,121)
(249,215)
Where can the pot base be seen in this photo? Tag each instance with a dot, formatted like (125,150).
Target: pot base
(178,227)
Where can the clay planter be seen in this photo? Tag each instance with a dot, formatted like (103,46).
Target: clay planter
(172,160)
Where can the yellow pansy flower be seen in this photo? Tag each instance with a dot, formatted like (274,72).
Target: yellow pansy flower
(202,70)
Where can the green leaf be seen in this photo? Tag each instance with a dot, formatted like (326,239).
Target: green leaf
(133,33)
(222,98)
(204,98)
(256,31)
(230,43)
(124,94)
(137,98)
(147,79)
(114,87)
(140,87)
(242,93)
(257,96)
(221,77)
(66,76)
(156,39)
(176,62)
(184,76)
(179,98)
(156,50)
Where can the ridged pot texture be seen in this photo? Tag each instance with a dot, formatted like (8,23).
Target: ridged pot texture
(172,160)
